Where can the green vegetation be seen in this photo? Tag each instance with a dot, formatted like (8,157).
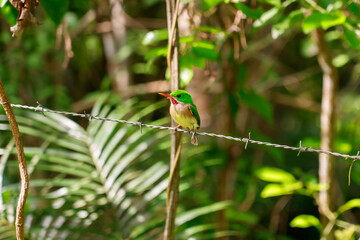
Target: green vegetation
(250,66)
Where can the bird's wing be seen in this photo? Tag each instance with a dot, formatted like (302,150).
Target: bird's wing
(195,113)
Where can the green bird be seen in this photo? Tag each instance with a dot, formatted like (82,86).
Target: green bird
(184,111)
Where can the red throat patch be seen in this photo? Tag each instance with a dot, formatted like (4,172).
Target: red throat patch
(173,101)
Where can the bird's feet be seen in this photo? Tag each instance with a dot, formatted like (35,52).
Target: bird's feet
(194,139)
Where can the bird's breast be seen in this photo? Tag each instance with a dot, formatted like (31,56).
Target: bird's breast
(182,115)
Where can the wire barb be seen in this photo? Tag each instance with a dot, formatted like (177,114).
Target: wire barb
(140,125)
(88,116)
(39,108)
(246,140)
(350,168)
(301,149)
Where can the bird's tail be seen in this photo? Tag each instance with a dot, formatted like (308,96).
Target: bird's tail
(194,140)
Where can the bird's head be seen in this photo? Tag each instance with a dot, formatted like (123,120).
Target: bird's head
(179,96)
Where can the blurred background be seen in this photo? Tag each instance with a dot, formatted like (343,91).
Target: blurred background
(251,66)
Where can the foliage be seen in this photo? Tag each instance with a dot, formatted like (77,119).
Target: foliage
(251,66)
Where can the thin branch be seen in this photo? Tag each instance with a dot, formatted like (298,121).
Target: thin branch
(25,15)
(172,171)
(326,168)
(19,222)
(172,10)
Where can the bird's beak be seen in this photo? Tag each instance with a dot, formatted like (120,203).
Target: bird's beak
(167,95)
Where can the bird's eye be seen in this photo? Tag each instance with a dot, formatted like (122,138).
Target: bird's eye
(179,96)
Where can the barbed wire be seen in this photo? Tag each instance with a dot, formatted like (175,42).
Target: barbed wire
(40,108)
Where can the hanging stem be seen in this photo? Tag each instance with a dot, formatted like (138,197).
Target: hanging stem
(19,222)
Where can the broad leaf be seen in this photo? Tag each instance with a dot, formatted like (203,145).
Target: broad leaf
(258,103)
(288,22)
(353,203)
(155,36)
(209,4)
(271,174)
(205,49)
(267,17)
(274,189)
(305,221)
(9,12)
(324,20)
(352,36)
(250,13)
(55,9)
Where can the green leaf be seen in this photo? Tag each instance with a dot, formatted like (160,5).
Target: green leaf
(351,36)
(271,174)
(346,233)
(267,17)
(9,12)
(209,4)
(211,29)
(340,60)
(155,36)
(156,52)
(55,9)
(258,103)
(192,214)
(324,20)
(354,8)
(274,189)
(353,203)
(190,60)
(186,75)
(205,49)
(289,21)
(305,221)
(250,13)
(272,2)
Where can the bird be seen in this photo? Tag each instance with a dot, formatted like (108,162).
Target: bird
(184,111)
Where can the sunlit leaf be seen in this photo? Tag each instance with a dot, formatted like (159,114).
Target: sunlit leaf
(190,60)
(346,233)
(271,174)
(155,36)
(289,21)
(272,2)
(324,20)
(209,4)
(186,74)
(156,52)
(267,17)
(353,203)
(205,49)
(305,221)
(274,189)
(190,215)
(340,60)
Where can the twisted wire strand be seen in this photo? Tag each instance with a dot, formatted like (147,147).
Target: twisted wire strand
(40,108)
